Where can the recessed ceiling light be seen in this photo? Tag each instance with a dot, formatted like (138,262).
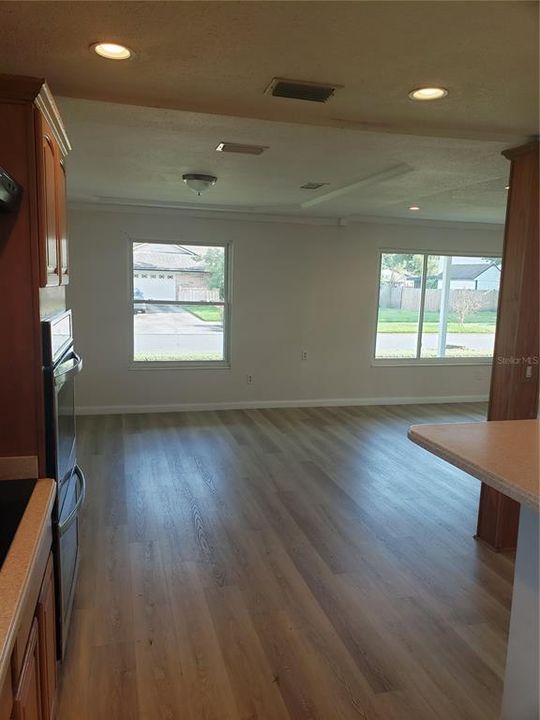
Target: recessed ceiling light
(112,51)
(414,207)
(428,93)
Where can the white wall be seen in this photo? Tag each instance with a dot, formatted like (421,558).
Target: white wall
(295,287)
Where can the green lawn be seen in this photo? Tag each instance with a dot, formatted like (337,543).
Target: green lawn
(209,313)
(406,321)
(428,354)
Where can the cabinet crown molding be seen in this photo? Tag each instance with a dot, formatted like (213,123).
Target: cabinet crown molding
(24,89)
(515,152)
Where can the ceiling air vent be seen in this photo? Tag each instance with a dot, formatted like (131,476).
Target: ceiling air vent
(313,185)
(301,90)
(242,149)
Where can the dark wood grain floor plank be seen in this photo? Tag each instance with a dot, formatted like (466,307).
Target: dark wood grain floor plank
(292,564)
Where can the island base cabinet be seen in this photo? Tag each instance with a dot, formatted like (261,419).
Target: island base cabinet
(6,697)
(29,690)
(27,705)
(47,643)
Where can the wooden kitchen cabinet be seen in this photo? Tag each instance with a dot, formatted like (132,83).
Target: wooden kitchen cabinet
(6,697)
(34,257)
(52,207)
(61,210)
(29,690)
(48,220)
(45,614)
(27,705)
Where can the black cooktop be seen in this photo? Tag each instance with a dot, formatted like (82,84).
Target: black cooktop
(14,497)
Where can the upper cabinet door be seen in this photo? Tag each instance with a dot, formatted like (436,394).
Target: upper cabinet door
(48,162)
(62,224)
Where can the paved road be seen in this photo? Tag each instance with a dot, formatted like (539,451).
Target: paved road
(170,328)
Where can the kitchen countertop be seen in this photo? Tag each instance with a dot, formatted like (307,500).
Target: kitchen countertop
(504,454)
(17,567)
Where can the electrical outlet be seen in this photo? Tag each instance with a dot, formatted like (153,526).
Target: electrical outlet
(249,379)
(304,355)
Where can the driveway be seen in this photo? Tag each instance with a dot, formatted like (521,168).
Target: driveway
(170,328)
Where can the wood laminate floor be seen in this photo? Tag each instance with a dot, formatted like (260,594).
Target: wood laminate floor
(282,564)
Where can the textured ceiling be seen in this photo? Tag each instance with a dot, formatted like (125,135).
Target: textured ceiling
(138,154)
(199,77)
(218,57)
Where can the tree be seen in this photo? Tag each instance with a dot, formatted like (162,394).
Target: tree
(465,303)
(214,260)
(408,264)
(402,264)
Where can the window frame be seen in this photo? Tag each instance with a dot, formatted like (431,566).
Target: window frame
(419,361)
(226,303)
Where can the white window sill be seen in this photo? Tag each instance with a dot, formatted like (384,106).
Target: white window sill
(422,362)
(174,365)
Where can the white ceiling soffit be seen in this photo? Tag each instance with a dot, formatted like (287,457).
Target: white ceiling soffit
(218,57)
(123,153)
(374,179)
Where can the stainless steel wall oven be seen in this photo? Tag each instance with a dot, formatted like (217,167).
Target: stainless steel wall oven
(61,364)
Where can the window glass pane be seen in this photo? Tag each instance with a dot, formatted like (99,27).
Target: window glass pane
(399,305)
(170,271)
(460,308)
(178,332)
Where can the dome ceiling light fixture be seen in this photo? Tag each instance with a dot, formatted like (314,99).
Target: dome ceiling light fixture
(198,182)
(424,94)
(111,51)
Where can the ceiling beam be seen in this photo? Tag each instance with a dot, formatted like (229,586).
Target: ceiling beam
(374,179)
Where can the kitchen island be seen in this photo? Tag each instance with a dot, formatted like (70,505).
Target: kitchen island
(27,629)
(505,455)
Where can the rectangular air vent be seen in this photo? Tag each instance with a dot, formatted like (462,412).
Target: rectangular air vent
(301,90)
(313,185)
(242,149)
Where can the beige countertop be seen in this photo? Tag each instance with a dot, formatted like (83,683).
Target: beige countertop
(502,453)
(18,564)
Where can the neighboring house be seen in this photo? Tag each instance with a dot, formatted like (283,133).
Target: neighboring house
(465,276)
(473,276)
(171,272)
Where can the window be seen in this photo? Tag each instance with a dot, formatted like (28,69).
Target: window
(436,306)
(180,303)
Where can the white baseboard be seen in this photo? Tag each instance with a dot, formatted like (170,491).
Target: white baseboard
(255,404)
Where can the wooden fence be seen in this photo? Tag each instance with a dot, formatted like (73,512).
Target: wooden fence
(407,298)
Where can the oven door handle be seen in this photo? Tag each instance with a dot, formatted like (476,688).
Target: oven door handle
(68,522)
(63,373)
